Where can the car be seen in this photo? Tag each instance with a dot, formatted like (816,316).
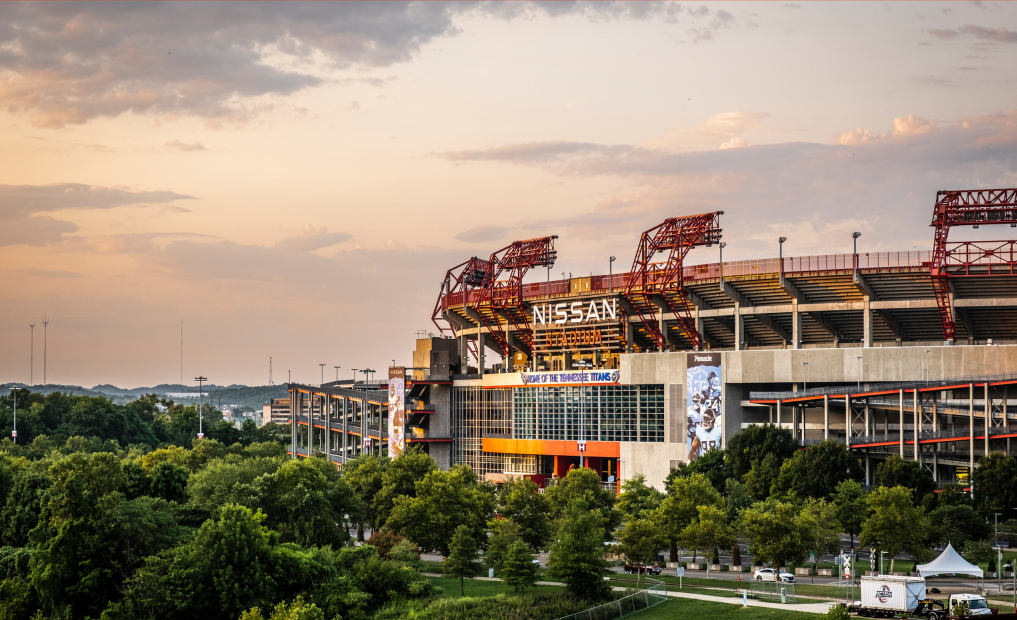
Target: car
(773,574)
(632,569)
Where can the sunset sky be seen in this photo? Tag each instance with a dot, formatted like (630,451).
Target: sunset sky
(293,180)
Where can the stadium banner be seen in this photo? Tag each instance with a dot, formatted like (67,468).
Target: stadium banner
(569,377)
(396,410)
(705,406)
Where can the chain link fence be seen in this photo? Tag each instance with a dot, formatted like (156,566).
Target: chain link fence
(652,596)
(774,592)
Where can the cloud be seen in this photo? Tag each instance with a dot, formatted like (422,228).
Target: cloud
(480,234)
(312,238)
(185,146)
(69,63)
(715,132)
(32,272)
(998,35)
(22,206)
(930,80)
(902,126)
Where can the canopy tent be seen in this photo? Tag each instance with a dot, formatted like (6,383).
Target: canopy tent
(949,562)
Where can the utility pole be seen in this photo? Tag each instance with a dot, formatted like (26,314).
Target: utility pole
(31,356)
(181,351)
(45,328)
(200,379)
(270,382)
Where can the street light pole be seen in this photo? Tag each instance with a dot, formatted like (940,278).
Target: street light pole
(722,245)
(201,403)
(610,274)
(780,254)
(854,256)
(337,372)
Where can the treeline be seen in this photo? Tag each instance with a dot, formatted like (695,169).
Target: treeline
(788,503)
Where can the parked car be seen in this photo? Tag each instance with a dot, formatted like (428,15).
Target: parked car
(632,569)
(773,574)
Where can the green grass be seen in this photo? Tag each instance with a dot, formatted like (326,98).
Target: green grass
(485,588)
(746,582)
(683,609)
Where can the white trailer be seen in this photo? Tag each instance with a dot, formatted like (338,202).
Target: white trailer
(887,595)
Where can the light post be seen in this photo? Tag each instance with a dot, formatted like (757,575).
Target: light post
(610,274)
(859,358)
(14,433)
(854,256)
(582,365)
(322,375)
(354,386)
(337,372)
(201,403)
(780,254)
(722,245)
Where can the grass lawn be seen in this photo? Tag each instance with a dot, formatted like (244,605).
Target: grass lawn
(683,609)
(485,588)
(800,588)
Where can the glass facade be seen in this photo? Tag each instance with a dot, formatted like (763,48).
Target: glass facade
(608,412)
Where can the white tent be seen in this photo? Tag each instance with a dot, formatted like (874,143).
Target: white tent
(949,562)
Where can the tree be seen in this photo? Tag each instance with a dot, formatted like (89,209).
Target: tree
(711,464)
(895,524)
(400,480)
(957,525)
(577,555)
(754,443)
(761,476)
(736,498)
(365,475)
(518,569)
(462,557)
(583,484)
(896,472)
(406,551)
(298,610)
(680,507)
(736,555)
(224,482)
(995,481)
(504,534)
(638,499)
(852,507)
(169,481)
(709,530)
(521,501)
(23,507)
(820,528)
(816,471)
(640,541)
(444,501)
(777,534)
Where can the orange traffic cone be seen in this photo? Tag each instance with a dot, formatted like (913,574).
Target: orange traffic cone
(739,577)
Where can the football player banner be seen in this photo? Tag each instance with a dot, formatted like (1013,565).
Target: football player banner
(704,405)
(396,410)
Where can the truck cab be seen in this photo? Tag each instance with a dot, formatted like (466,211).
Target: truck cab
(974,602)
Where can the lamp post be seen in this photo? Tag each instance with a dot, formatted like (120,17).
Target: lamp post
(610,274)
(322,375)
(354,386)
(14,433)
(337,372)
(780,254)
(999,552)
(201,403)
(854,256)
(582,365)
(722,245)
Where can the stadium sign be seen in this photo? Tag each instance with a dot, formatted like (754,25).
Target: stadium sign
(594,311)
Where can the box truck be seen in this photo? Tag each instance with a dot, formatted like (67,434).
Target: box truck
(887,595)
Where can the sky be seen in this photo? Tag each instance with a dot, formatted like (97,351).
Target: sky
(293,180)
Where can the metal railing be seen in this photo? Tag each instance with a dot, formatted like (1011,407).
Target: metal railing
(627,605)
(774,592)
(845,390)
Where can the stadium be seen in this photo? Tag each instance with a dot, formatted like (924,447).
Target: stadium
(908,353)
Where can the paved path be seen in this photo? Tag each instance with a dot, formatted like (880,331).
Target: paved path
(816,608)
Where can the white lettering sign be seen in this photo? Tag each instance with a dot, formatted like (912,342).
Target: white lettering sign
(598,310)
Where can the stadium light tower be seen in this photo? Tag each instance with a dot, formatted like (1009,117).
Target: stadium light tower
(200,379)
(854,240)
(14,433)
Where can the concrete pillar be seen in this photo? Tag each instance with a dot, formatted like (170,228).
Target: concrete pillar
(739,325)
(988,418)
(918,423)
(847,426)
(778,414)
(294,410)
(826,417)
(346,442)
(310,424)
(796,325)
(866,322)
(867,413)
(971,440)
(868,468)
(327,415)
(900,404)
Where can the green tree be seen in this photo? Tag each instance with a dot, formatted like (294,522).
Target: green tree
(816,471)
(443,501)
(365,475)
(405,551)
(298,610)
(638,499)
(995,481)
(736,499)
(895,524)
(852,507)
(753,444)
(709,530)
(504,534)
(518,569)
(776,532)
(231,481)
(169,481)
(137,483)
(23,507)
(583,484)
(521,501)
(820,527)
(680,507)
(462,557)
(400,480)
(712,464)
(577,555)
(640,541)
(896,472)
(957,525)
(761,476)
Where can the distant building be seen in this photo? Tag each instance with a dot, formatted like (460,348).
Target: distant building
(277,410)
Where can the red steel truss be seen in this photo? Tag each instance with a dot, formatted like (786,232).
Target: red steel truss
(662,282)
(983,258)
(476,273)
